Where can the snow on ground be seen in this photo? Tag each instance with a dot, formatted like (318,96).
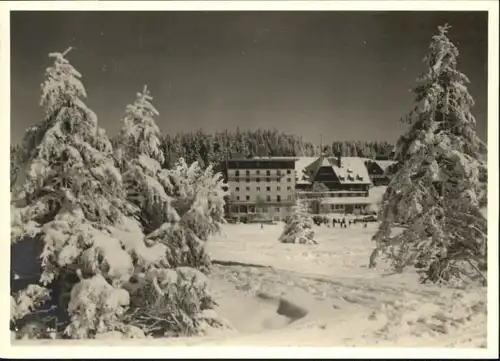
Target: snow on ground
(324,295)
(340,251)
(346,304)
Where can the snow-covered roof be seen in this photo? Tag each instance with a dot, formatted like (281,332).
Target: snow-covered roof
(346,200)
(384,164)
(300,165)
(351,171)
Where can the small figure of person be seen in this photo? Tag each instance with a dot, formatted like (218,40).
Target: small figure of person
(261,226)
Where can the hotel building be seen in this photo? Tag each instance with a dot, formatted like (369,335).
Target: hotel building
(267,188)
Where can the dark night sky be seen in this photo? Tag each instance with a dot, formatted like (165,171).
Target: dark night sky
(345,75)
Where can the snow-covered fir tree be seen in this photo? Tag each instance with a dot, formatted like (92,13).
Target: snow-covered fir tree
(69,198)
(198,198)
(431,212)
(298,226)
(140,157)
(177,209)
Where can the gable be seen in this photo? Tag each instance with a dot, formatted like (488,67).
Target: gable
(326,174)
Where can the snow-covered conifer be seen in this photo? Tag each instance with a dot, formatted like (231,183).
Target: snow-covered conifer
(430,215)
(69,198)
(198,199)
(177,210)
(298,227)
(140,157)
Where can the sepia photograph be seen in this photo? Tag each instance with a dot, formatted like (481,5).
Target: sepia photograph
(286,177)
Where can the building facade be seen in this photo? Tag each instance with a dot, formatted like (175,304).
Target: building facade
(260,188)
(345,185)
(266,188)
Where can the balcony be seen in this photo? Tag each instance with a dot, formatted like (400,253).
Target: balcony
(332,194)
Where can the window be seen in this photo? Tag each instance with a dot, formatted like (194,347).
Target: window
(248,180)
(237,180)
(289,172)
(237,189)
(258,171)
(237,173)
(278,173)
(289,179)
(268,189)
(237,198)
(268,180)
(248,198)
(278,199)
(258,189)
(268,172)
(289,188)
(289,197)
(248,188)
(278,189)
(277,209)
(258,180)
(268,198)
(247,172)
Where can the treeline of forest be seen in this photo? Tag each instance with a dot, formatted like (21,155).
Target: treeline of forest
(213,148)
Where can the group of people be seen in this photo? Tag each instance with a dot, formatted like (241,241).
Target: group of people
(342,222)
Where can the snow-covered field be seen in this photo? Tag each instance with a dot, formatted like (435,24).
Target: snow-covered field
(343,302)
(325,296)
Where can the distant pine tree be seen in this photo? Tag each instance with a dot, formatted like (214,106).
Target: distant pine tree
(435,197)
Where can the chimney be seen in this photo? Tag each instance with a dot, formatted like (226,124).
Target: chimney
(339,160)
